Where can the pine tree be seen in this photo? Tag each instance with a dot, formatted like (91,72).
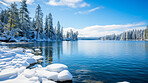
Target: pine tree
(13,19)
(61,33)
(39,22)
(58,30)
(50,24)
(46,27)
(24,17)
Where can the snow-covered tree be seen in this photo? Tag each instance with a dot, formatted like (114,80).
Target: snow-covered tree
(39,22)
(24,18)
(13,19)
(58,30)
(46,29)
(50,24)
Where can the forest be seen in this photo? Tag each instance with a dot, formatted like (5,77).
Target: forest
(17,25)
(128,35)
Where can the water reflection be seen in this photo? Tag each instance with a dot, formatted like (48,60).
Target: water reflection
(49,50)
(70,47)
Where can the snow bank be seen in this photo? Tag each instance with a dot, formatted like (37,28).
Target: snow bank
(57,67)
(64,75)
(13,64)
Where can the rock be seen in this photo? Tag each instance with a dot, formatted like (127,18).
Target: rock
(64,75)
(57,67)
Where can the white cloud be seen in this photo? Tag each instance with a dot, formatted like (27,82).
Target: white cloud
(11,1)
(88,11)
(99,31)
(3,3)
(69,3)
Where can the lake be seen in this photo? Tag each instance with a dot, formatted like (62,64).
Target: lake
(96,60)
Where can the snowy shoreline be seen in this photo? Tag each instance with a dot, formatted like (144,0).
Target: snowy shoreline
(14,63)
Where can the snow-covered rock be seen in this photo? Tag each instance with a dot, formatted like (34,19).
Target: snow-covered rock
(29,51)
(13,64)
(31,60)
(48,81)
(7,74)
(35,78)
(37,50)
(18,50)
(56,67)
(47,74)
(38,57)
(64,75)
(29,73)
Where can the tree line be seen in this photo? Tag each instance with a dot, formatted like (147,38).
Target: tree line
(128,35)
(16,23)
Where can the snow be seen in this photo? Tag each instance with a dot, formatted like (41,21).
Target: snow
(47,74)
(64,75)
(29,73)
(38,57)
(13,64)
(57,67)
(31,60)
(48,81)
(13,40)
(2,38)
(8,74)
(37,50)
(29,51)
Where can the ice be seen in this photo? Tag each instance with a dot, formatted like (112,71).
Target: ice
(64,75)
(56,67)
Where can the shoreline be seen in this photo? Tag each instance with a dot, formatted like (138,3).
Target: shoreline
(14,68)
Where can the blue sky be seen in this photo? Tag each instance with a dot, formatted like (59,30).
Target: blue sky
(92,18)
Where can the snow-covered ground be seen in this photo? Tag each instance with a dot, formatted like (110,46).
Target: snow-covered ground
(13,63)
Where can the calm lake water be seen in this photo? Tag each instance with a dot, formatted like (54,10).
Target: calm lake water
(97,61)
